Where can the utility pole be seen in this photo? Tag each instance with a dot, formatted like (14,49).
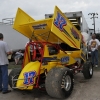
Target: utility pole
(93,16)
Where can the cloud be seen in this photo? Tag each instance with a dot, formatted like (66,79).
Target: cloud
(38,8)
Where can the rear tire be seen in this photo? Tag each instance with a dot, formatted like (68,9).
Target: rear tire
(59,82)
(87,70)
(15,74)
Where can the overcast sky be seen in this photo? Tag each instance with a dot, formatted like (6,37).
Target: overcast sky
(38,8)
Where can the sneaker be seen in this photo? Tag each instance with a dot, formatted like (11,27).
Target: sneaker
(96,65)
(4,92)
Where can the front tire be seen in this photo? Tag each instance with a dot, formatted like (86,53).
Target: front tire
(87,70)
(59,82)
(15,74)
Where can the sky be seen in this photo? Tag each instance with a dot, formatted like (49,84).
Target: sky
(38,8)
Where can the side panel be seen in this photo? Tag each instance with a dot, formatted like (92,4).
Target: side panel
(65,58)
(77,54)
(65,30)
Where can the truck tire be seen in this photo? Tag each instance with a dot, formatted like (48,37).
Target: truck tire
(87,70)
(15,74)
(59,82)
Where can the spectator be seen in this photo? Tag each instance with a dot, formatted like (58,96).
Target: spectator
(4,51)
(18,56)
(94,45)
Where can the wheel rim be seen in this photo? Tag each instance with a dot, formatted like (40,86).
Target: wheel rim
(91,70)
(67,82)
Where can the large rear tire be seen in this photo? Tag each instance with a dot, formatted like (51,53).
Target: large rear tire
(87,70)
(15,74)
(59,82)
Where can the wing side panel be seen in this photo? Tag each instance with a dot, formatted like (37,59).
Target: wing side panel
(65,30)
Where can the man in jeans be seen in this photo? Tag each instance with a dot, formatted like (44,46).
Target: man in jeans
(94,45)
(4,51)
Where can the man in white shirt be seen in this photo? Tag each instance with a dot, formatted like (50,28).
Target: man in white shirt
(94,45)
(4,52)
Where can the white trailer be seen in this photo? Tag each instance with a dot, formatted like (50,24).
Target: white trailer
(14,39)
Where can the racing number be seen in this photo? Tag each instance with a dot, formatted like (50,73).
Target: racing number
(28,78)
(60,22)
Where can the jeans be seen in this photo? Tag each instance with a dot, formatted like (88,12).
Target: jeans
(94,57)
(4,77)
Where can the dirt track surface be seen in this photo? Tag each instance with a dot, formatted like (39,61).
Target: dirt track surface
(83,90)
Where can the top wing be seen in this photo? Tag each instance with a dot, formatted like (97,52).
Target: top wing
(55,30)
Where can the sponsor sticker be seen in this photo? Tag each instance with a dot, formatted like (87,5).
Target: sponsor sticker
(65,59)
(39,26)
